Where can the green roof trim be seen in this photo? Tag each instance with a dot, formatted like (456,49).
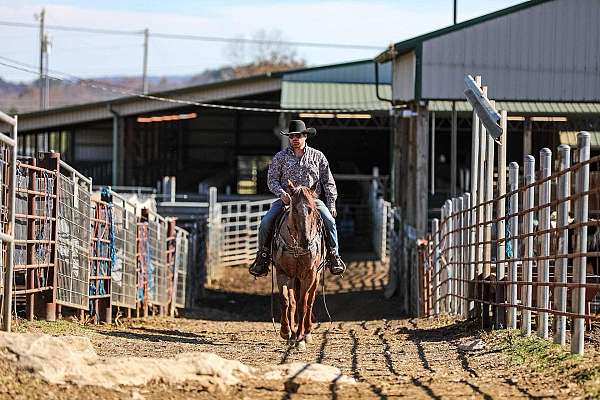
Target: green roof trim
(522,107)
(570,138)
(411,44)
(331,96)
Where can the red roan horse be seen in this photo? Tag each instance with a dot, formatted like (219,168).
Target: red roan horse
(297,255)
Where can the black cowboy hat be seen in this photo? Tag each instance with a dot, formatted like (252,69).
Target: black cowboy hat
(298,126)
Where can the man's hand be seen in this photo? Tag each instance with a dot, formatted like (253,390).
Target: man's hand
(333,212)
(285,198)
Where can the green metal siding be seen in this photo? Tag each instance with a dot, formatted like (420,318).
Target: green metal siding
(328,96)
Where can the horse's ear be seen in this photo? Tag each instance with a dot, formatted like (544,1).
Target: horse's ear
(313,188)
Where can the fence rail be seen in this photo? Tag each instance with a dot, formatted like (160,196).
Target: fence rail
(525,257)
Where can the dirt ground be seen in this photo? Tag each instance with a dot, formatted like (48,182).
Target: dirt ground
(388,356)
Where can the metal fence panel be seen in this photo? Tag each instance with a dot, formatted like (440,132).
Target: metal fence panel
(181,266)
(73,240)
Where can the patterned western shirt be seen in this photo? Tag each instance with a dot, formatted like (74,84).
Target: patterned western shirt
(310,168)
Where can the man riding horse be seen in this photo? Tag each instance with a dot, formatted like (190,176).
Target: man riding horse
(306,166)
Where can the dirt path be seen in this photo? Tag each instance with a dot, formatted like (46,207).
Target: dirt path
(388,357)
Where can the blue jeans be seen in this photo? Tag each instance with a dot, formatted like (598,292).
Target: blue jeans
(266,224)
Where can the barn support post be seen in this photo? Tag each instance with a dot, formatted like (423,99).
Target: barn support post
(560,265)
(528,201)
(543,276)
(582,185)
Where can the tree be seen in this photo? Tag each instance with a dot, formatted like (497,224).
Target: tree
(268,55)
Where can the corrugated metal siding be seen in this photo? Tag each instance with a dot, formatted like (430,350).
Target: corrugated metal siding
(314,95)
(404,77)
(547,52)
(522,107)
(363,72)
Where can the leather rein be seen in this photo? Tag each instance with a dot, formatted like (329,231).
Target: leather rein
(295,249)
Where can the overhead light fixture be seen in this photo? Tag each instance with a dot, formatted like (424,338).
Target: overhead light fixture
(163,118)
(316,115)
(515,118)
(549,119)
(353,116)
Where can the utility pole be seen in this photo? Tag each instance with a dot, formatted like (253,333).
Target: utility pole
(41,18)
(145,72)
(46,45)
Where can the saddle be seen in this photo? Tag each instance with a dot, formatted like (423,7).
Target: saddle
(277,241)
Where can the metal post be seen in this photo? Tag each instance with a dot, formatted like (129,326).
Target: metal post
(450,260)
(212,245)
(145,72)
(474,173)
(560,265)
(501,226)
(435,232)
(581,216)
(10,251)
(489,195)
(458,223)
(42,49)
(481,193)
(513,178)
(467,253)
(453,151)
(543,275)
(528,201)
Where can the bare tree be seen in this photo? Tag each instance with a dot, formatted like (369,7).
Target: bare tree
(268,55)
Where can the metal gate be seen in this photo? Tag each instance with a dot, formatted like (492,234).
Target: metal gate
(8,159)
(73,238)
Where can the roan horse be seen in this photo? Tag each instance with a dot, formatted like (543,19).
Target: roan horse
(297,255)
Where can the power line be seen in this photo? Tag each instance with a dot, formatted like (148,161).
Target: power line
(181,36)
(29,69)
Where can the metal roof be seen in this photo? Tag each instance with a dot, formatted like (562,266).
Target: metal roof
(327,95)
(522,107)
(570,138)
(354,72)
(414,43)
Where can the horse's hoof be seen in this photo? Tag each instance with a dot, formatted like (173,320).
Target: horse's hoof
(309,338)
(301,345)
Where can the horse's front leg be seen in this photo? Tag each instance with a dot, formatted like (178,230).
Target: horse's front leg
(283,283)
(308,321)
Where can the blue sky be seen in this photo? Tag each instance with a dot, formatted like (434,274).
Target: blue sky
(373,22)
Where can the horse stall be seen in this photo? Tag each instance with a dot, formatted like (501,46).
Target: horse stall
(112,256)
(151,264)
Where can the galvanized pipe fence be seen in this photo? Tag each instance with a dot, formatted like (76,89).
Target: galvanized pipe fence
(78,250)
(525,257)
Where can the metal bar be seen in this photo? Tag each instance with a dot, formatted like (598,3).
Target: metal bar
(450,243)
(560,264)
(8,141)
(474,177)
(513,176)
(10,251)
(543,275)
(529,166)
(501,224)
(435,232)
(481,194)
(489,196)
(466,264)
(8,119)
(581,215)
(432,172)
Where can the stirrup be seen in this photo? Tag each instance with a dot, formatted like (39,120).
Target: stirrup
(260,266)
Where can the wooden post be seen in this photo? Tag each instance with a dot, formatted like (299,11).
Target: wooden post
(543,273)
(528,201)
(432,155)
(560,265)
(581,216)
(513,176)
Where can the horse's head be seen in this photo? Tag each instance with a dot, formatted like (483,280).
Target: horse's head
(303,211)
